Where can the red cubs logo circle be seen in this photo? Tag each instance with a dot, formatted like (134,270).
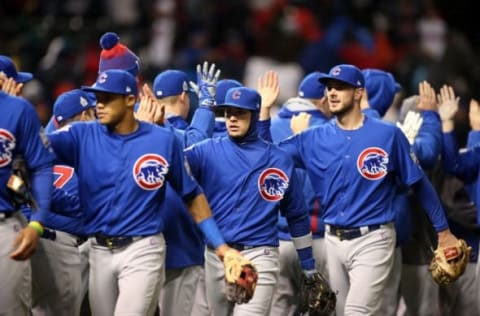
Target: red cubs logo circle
(7,144)
(372,163)
(236,94)
(272,184)
(149,171)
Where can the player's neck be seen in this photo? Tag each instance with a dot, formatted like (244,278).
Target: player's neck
(126,126)
(351,120)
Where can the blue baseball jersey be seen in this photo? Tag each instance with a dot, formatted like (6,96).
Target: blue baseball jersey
(65,211)
(122,177)
(427,148)
(354,173)
(21,133)
(465,165)
(246,185)
(185,249)
(280,130)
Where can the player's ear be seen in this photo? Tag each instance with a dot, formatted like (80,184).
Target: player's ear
(130,100)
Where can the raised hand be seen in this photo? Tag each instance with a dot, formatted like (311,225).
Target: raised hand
(447,103)
(447,108)
(426,100)
(150,109)
(269,88)
(207,78)
(474,115)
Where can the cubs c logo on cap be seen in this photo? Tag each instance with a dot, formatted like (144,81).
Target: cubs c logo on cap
(336,71)
(236,94)
(149,171)
(102,78)
(372,163)
(7,144)
(272,184)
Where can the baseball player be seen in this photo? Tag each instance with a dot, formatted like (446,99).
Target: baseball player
(122,165)
(464,164)
(310,100)
(354,164)
(415,235)
(253,181)
(20,134)
(184,258)
(56,265)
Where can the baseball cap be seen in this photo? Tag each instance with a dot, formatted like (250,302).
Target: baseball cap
(8,68)
(222,87)
(114,81)
(381,88)
(170,82)
(310,87)
(349,74)
(242,98)
(71,103)
(115,55)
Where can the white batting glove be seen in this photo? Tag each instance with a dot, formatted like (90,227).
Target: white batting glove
(207,78)
(411,125)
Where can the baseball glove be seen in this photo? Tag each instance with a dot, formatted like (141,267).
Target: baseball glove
(316,296)
(449,263)
(240,277)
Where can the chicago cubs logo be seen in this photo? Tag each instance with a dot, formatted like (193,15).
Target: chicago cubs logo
(102,78)
(236,94)
(272,184)
(7,144)
(372,163)
(336,71)
(149,171)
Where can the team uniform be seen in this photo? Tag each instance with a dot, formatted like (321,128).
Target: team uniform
(354,174)
(465,166)
(121,199)
(184,258)
(20,133)
(57,266)
(246,190)
(286,294)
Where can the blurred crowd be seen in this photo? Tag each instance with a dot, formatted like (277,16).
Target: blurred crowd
(414,39)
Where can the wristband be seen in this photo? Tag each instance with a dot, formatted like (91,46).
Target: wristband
(37,226)
(210,231)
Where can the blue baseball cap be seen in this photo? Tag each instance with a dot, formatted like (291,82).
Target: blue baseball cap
(243,98)
(381,88)
(71,103)
(349,74)
(114,81)
(170,82)
(310,87)
(222,87)
(8,68)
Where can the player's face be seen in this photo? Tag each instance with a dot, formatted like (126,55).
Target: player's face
(111,108)
(237,121)
(341,97)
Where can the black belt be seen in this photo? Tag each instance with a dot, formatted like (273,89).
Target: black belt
(350,233)
(241,247)
(49,234)
(114,242)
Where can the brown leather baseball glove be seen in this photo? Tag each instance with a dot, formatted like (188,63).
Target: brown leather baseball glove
(449,263)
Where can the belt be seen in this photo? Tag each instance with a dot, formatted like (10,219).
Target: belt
(115,242)
(5,215)
(344,233)
(49,234)
(241,247)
